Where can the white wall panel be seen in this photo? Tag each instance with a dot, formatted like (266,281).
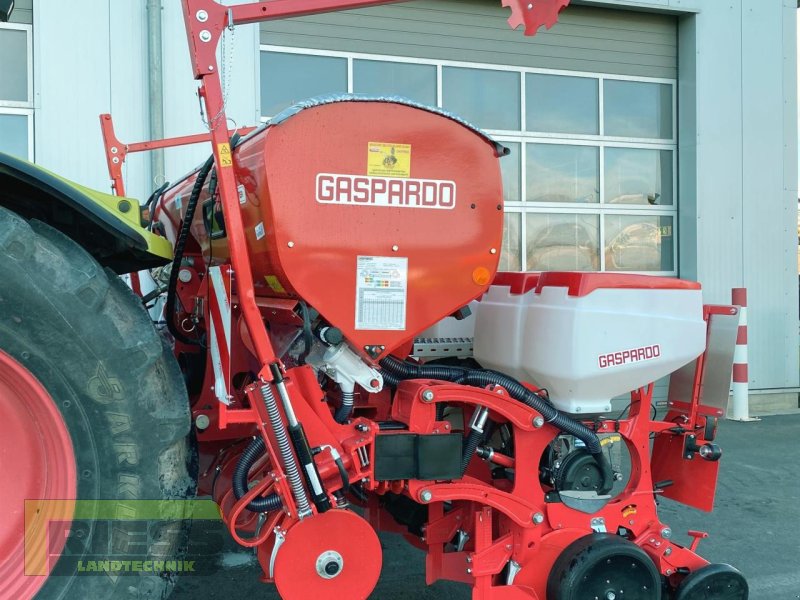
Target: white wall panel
(91,58)
(182,110)
(738,148)
(71,87)
(129,89)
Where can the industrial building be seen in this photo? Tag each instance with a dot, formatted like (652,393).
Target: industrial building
(650,136)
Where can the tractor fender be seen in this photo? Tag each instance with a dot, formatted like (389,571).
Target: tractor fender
(109,227)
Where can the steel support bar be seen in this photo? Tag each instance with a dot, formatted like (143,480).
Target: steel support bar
(282,9)
(117,152)
(180,141)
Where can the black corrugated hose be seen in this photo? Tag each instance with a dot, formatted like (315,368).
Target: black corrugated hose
(345,408)
(180,243)
(240,487)
(481,378)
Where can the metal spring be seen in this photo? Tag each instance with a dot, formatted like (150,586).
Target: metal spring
(285,450)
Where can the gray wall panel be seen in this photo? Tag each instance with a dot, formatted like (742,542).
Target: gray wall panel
(738,152)
(584,39)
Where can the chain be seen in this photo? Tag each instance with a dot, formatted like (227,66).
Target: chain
(226,73)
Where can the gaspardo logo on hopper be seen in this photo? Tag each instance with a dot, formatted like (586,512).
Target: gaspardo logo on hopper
(364,190)
(616,359)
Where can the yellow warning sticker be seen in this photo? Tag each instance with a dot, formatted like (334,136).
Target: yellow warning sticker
(225,158)
(389,160)
(275,284)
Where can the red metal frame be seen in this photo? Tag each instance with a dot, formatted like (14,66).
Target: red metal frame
(505,520)
(117,152)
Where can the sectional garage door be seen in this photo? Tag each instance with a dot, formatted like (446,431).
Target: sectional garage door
(587,108)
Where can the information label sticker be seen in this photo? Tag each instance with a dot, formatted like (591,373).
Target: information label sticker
(389,160)
(381,292)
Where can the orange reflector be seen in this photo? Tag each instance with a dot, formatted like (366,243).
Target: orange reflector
(481,276)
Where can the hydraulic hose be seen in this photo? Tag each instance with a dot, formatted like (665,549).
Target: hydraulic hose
(180,244)
(285,450)
(389,379)
(254,450)
(345,408)
(482,378)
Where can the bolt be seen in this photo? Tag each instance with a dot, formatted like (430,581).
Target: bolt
(493,251)
(427,396)
(205,35)
(469,571)
(362,428)
(202,16)
(425,496)
(611,595)
(290,244)
(395,248)
(538,518)
(115,160)
(668,551)
(666,533)
(538,421)
(202,422)
(669,572)
(185,275)
(114,149)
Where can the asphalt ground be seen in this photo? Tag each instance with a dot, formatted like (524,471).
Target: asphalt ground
(755,526)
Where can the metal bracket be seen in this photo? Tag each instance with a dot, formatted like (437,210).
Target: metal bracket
(598,525)
(280,537)
(461,347)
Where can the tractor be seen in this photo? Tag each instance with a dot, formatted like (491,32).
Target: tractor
(293,366)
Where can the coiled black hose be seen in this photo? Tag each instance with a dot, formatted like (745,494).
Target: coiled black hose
(482,378)
(253,451)
(180,244)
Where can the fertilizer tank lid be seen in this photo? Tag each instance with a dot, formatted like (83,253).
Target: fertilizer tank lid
(297,108)
(583,283)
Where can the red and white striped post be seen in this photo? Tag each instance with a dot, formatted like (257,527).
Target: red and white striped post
(741,388)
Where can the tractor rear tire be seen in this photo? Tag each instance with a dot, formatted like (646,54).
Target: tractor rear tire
(85,337)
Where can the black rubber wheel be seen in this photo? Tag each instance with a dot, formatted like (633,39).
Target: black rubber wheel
(713,582)
(603,566)
(87,339)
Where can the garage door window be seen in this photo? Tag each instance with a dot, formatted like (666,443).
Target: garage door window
(589,183)
(16,91)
